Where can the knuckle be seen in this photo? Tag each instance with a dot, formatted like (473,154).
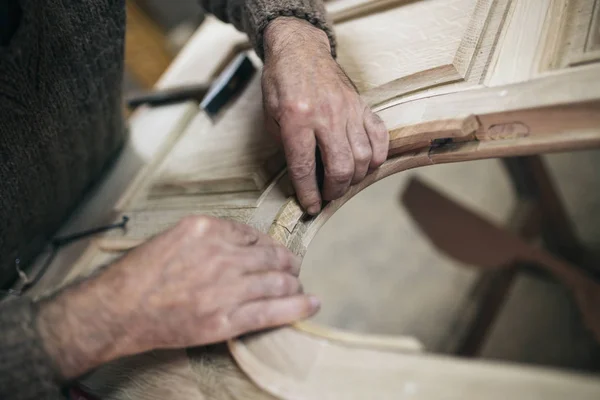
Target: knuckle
(198,224)
(260,319)
(378,159)
(341,172)
(296,108)
(280,284)
(363,154)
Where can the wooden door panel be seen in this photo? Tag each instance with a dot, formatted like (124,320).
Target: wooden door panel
(545,35)
(233,154)
(435,41)
(580,42)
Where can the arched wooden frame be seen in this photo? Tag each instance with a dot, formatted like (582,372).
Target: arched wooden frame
(558,112)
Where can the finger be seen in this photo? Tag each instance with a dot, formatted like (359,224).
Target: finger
(338,161)
(361,150)
(245,235)
(272,127)
(265,285)
(264,314)
(378,136)
(300,148)
(261,258)
(239,234)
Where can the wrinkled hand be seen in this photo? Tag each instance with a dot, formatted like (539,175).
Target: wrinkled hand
(204,281)
(309,101)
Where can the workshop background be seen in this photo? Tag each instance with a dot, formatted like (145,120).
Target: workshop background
(376,272)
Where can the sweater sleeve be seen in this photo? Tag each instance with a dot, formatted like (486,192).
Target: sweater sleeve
(26,371)
(253,16)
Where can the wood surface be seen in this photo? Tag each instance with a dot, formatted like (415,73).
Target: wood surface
(441,39)
(219,157)
(515,57)
(292,364)
(576,38)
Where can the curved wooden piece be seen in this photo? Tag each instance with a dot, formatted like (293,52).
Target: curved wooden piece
(554,113)
(292,364)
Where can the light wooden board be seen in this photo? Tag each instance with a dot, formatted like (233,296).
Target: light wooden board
(233,154)
(381,51)
(572,35)
(218,43)
(514,61)
(144,224)
(295,365)
(344,10)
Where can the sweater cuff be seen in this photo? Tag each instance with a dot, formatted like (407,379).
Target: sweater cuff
(258,14)
(26,371)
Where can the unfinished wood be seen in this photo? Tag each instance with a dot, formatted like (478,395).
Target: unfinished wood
(165,143)
(144,224)
(294,365)
(441,38)
(576,85)
(344,10)
(233,154)
(593,37)
(515,58)
(553,34)
(223,200)
(204,55)
(423,135)
(572,30)
(407,344)
(585,58)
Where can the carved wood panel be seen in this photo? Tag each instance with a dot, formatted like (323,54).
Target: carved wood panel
(440,40)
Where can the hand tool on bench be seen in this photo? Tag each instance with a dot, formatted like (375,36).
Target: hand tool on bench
(212,97)
(467,237)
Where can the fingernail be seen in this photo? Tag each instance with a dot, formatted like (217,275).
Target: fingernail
(314,209)
(314,302)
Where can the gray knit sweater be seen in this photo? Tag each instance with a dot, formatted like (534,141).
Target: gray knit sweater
(61,69)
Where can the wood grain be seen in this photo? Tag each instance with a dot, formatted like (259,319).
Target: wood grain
(233,154)
(144,224)
(344,10)
(593,37)
(515,58)
(292,364)
(422,135)
(578,23)
(553,35)
(400,50)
